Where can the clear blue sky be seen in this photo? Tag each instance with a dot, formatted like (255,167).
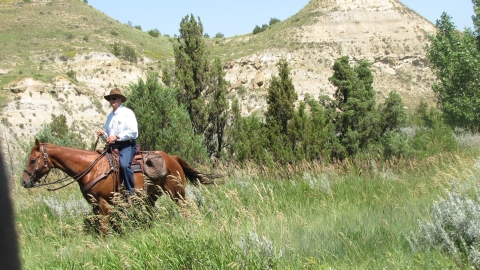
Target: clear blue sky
(239,17)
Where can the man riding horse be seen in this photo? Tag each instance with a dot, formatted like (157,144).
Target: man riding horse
(121,131)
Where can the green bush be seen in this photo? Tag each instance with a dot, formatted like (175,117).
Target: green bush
(273,21)
(154,33)
(116,49)
(129,54)
(246,138)
(124,52)
(258,29)
(431,134)
(72,74)
(58,132)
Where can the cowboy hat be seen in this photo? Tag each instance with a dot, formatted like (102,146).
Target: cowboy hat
(115,92)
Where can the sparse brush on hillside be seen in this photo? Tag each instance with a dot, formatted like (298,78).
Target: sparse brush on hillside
(56,29)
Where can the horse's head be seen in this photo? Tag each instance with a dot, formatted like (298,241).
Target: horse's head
(37,165)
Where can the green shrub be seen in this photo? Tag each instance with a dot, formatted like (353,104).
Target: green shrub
(154,33)
(258,29)
(242,90)
(163,123)
(69,54)
(273,21)
(58,132)
(124,51)
(116,49)
(129,54)
(72,74)
(431,134)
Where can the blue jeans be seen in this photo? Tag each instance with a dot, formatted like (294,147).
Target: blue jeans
(126,173)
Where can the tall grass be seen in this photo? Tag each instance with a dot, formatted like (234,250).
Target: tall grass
(307,216)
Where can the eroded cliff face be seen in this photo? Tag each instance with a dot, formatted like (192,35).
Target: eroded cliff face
(81,101)
(384,32)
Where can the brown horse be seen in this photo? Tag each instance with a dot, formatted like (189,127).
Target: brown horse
(97,178)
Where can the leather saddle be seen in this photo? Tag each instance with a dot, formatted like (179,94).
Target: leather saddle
(137,160)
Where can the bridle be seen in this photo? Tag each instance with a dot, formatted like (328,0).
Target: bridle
(34,179)
(33,175)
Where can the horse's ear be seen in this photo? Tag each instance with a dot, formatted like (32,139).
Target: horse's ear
(37,142)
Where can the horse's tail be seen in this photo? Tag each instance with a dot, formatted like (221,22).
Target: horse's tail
(194,175)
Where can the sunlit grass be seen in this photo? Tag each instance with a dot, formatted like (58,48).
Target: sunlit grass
(312,216)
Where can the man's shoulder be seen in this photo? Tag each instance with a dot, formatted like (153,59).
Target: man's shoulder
(124,108)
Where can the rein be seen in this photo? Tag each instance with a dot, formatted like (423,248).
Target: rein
(78,176)
(75,177)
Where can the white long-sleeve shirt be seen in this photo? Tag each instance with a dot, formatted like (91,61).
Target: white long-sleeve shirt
(122,123)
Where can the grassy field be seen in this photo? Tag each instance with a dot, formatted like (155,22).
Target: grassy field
(310,216)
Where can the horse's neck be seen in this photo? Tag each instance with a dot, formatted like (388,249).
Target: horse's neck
(72,161)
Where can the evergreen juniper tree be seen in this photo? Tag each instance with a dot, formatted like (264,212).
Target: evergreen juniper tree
(191,67)
(246,139)
(355,115)
(217,109)
(281,96)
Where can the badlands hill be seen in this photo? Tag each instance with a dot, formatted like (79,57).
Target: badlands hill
(385,32)
(42,41)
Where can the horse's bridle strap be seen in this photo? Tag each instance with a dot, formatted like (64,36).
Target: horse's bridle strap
(104,175)
(33,174)
(96,180)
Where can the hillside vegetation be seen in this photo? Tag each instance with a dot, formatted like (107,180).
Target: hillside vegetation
(281,35)
(38,38)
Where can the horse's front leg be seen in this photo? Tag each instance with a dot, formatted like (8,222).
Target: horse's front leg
(102,211)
